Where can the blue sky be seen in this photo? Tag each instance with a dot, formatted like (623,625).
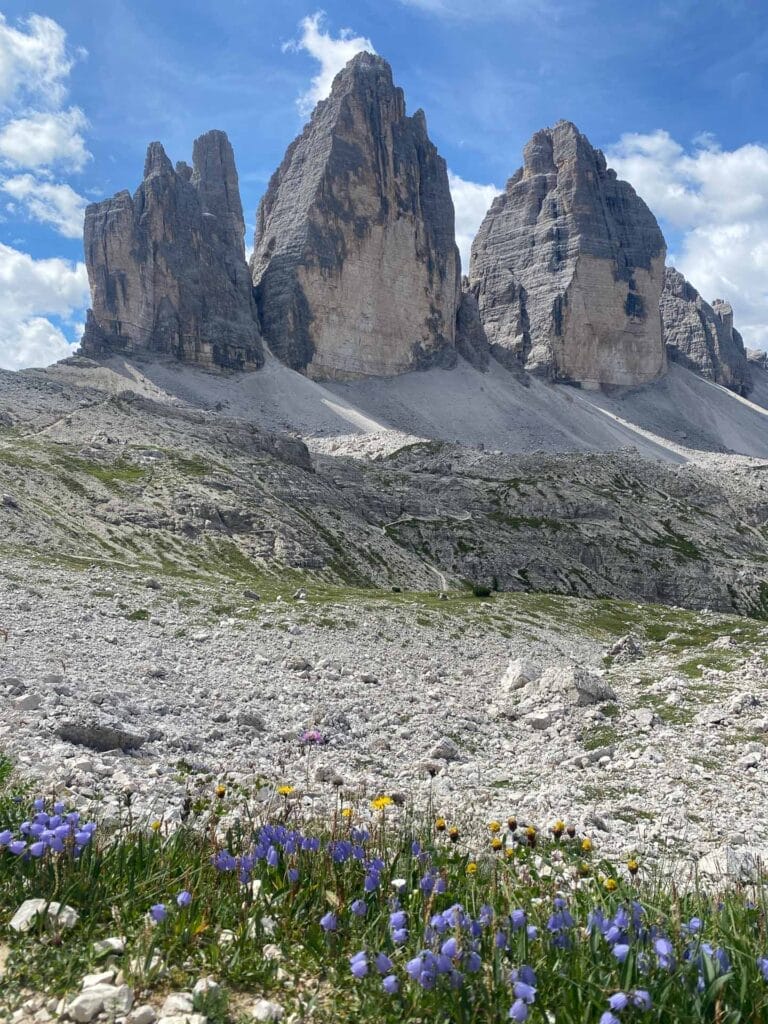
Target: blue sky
(671,89)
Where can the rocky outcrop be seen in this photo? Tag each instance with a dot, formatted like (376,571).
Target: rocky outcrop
(702,337)
(355,263)
(567,268)
(167,265)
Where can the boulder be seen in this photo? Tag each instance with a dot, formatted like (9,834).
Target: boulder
(702,336)
(355,263)
(567,269)
(99,736)
(167,265)
(58,916)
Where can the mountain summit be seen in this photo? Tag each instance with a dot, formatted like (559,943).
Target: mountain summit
(568,266)
(167,265)
(355,262)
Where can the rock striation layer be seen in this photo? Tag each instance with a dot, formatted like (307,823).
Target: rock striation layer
(567,268)
(702,336)
(355,263)
(167,265)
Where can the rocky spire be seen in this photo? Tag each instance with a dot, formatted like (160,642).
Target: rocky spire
(355,263)
(167,266)
(702,337)
(567,268)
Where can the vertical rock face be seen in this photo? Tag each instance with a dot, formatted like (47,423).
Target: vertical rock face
(355,264)
(702,337)
(567,268)
(167,265)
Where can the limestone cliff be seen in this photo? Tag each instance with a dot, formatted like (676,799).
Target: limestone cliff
(355,263)
(701,336)
(567,268)
(167,265)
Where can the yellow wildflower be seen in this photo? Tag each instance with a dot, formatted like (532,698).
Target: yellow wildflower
(509,853)
(381,802)
(471,868)
(346,812)
(221,791)
(558,828)
(285,790)
(611,885)
(440,824)
(633,866)
(496,844)
(156,826)
(586,844)
(495,826)
(453,834)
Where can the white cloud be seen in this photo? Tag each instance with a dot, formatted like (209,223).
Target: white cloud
(718,201)
(32,291)
(45,139)
(471,202)
(34,61)
(332,54)
(50,203)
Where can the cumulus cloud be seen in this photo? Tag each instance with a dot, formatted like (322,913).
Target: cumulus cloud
(34,290)
(55,204)
(46,139)
(471,202)
(717,200)
(42,300)
(331,53)
(34,61)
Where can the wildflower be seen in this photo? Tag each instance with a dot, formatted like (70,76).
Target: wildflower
(496,844)
(571,830)
(398,919)
(359,964)
(610,884)
(328,922)
(391,985)
(184,898)
(472,868)
(500,940)
(762,966)
(558,829)
(312,737)
(642,999)
(693,926)
(621,951)
(530,836)
(293,875)
(371,883)
(618,1001)
(381,802)
(440,824)
(359,908)
(609,1018)
(525,992)
(37,849)
(517,917)
(285,790)
(586,845)
(511,824)
(221,791)
(518,1011)
(17,846)
(346,812)
(383,964)
(509,852)
(158,912)
(633,866)
(156,825)
(453,834)
(495,826)
(400,936)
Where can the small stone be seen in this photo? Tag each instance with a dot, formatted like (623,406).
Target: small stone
(206,987)
(251,720)
(251,595)
(300,595)
(29,702)
(144,1014)
(539,720)
(445,749)
(177,1002)
(58,916)
(91,980)
(107,947)
(153,584)
(264,1010)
